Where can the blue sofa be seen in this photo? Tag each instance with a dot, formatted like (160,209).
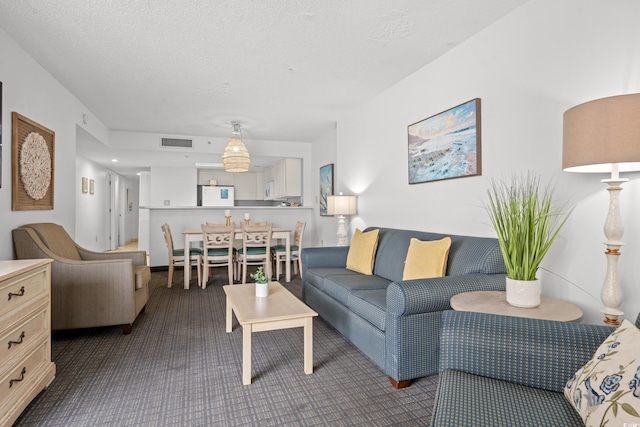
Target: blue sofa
(396,323)
(510,371)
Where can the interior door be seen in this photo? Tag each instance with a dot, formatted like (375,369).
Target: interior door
(114,212)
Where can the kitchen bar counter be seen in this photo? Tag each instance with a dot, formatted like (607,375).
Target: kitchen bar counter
(182,218)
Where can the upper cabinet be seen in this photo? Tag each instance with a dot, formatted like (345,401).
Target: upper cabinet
(284,179)
(280,181)
(245,183)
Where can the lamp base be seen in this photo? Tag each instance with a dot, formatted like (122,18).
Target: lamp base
(611,294)
(342,231)
(612,316)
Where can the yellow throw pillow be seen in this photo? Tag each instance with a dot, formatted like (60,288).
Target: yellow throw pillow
(426,259)
(362,252)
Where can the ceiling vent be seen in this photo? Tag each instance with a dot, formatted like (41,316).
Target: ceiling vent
(176,143)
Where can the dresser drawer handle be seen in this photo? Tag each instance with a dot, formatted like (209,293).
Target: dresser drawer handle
(22,335)
(24,371)
(19,294)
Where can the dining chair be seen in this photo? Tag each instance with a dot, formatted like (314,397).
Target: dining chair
(256,248)
(279,252)
(176,256)
(218,250)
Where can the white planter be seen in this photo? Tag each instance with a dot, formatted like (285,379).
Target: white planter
(262,289)
(523,293)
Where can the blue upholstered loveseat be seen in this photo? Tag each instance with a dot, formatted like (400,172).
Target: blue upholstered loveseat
(510,371)
(396,323)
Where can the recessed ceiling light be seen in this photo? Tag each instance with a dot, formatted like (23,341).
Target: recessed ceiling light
(114,160)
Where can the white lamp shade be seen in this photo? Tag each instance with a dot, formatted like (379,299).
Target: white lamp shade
(601,133)
(341,205)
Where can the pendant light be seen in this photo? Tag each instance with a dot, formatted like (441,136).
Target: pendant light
(236,156)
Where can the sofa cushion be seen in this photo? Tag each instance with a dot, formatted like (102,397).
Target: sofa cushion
(606,390)
(362,252)
(370,304)
(464,399)
(340,286)
(426,259)
(143,275)
(316,276)
(467,254)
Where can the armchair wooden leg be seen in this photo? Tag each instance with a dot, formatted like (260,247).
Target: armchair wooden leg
(126,329)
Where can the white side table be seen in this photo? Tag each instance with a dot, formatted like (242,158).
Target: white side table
(495,302)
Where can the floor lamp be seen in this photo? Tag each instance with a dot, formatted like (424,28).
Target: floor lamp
(603,136)
(341,205)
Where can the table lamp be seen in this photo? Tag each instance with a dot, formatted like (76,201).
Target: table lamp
(603,136)
(341,205)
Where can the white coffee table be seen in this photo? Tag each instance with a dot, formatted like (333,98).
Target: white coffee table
(280,310)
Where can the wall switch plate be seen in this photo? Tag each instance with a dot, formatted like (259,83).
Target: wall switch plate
(167,202)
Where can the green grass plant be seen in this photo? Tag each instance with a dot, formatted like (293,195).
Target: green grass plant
(526,221)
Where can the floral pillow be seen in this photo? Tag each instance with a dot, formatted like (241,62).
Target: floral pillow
(606,391)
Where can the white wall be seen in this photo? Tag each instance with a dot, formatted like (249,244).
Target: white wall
(324,228)
(178,186)
(34,93)
(528,68)
(92,210)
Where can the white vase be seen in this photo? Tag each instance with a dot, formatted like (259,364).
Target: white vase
(523,293)
(262,289)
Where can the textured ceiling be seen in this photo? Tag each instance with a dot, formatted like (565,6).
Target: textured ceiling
(286,70)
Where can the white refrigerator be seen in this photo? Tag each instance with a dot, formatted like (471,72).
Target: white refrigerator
(217,196)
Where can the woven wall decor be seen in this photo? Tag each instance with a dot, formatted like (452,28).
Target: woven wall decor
(32,165)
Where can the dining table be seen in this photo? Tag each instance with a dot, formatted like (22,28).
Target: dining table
(191,236)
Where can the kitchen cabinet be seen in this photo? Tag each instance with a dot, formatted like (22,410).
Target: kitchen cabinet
(286,179)
(227,178)
(206,175)
(25,331)
(245,183)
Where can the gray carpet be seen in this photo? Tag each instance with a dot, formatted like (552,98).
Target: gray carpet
(179,367)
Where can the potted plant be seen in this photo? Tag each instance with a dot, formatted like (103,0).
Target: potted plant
(527,223)
(262,282)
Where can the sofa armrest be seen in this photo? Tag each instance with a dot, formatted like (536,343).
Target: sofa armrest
(138,257)
(427,295)
(538,353)
(324,257)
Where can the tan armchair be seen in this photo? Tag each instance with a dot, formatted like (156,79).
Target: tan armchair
(88,289)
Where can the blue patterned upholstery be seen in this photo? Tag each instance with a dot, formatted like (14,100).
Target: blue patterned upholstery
(396,323)
(503,370)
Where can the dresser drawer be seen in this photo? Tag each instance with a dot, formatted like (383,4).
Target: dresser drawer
(23,335)
(23,374)
(23,288)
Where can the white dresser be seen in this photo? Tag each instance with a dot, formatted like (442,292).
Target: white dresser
(25,334)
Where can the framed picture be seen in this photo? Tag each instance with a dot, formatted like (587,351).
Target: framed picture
(326,187)
(32,165)
(85,184)
(446,145)
(91,186)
